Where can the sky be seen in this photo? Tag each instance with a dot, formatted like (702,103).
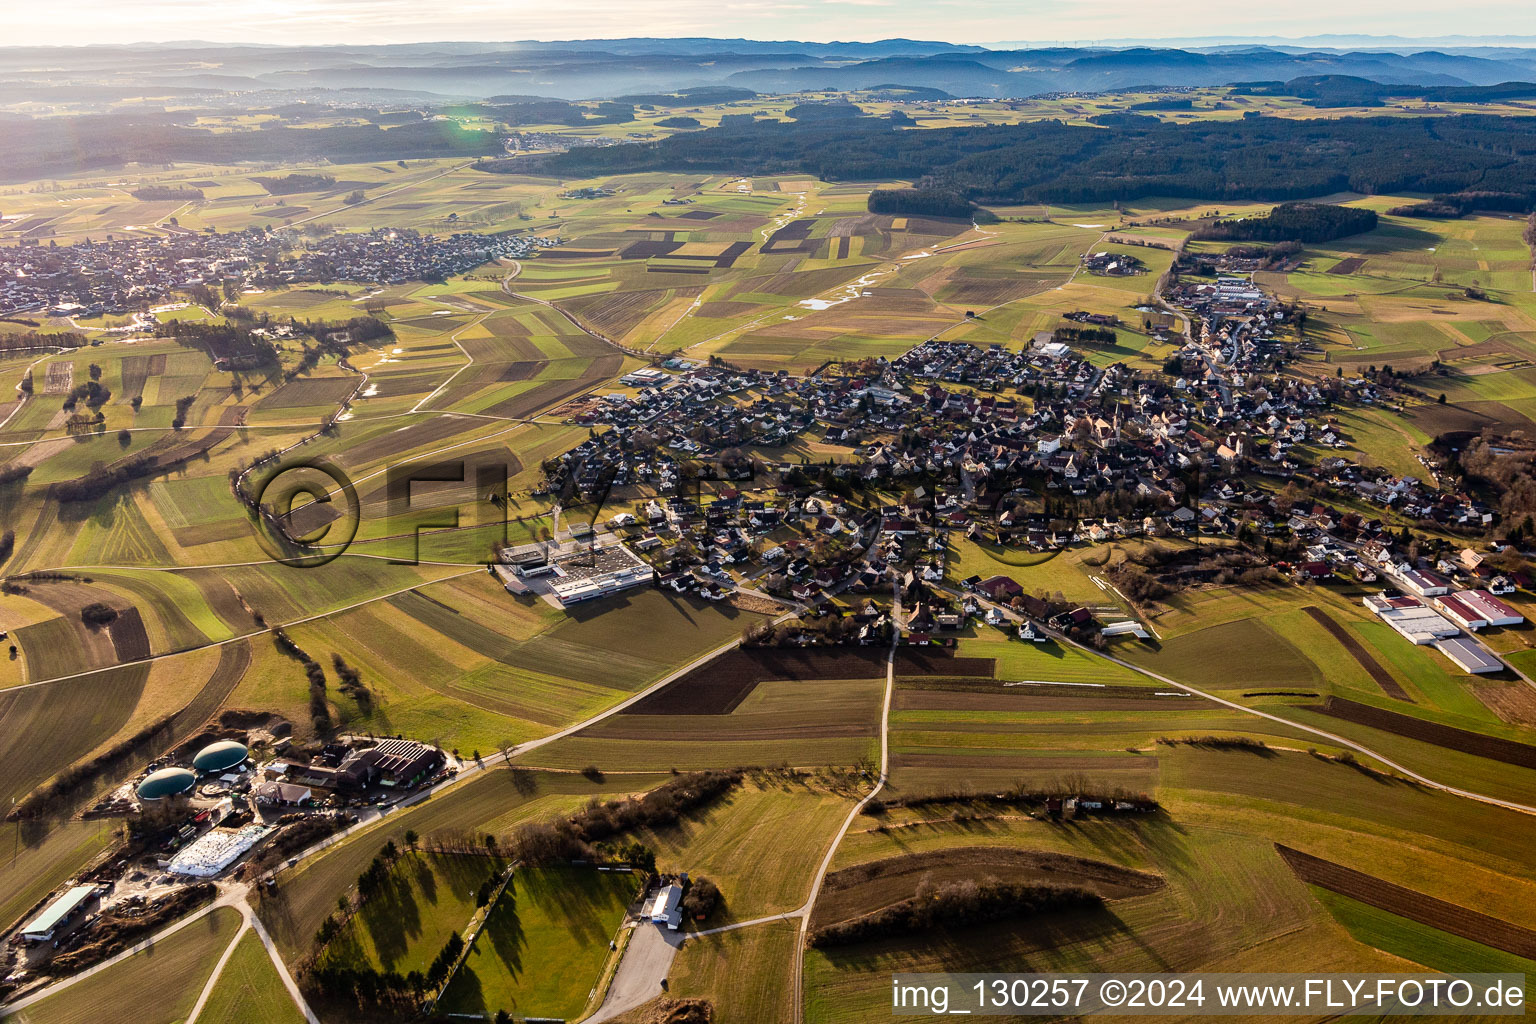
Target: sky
(987,22)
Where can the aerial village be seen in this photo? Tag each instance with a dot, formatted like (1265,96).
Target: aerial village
(1039,449)
(117,276)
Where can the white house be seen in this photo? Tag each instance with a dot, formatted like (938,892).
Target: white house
(664,907)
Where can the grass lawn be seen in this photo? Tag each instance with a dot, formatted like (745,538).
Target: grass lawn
(1431,947)
(760,845)
(249,991)
(742,973)
(161,983)
(544,944)
(1229,904)
(496,801)
(429,897)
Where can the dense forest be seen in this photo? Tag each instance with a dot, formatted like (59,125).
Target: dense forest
(1293,222)
(1462,203)
(920,202)
(1352,91)
(1256,158)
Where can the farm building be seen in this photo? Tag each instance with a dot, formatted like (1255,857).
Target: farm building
(1000,588)
(284,794)
(57,914)
(219,757)
(166,783)
(1474,609)
(664,907)
(399,762)
(1469,654)
(392,763)
(1412,618)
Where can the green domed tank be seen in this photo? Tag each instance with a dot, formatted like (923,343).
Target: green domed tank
(219,757)
(166,782)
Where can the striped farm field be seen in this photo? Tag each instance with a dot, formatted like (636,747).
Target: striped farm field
(162,983)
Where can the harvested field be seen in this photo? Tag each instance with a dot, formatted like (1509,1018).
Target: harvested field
(234,659)
(1415,906)
(1349,266)
(1491,747)
(717,688)
(59,378)
(129,639)
(323,391)
(90,712)
(563,253)
(794,237)
(554,392)
(135,370)
(405,439)
(617,313)
(28,225)
(1492,348)
(794,231)
(731,253)
(1032,764)
(1513,703)
(866,888)
(1388,685)
(1435,419)
(647,249)
(725,310)
(172,449)
(988,695)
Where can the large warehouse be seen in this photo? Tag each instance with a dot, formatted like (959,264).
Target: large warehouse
(1474,609)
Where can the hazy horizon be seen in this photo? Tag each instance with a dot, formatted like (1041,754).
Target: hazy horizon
(993,23)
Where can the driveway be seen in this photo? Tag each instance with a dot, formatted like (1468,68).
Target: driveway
(647,959)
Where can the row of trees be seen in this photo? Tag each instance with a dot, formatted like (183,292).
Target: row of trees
(319,705)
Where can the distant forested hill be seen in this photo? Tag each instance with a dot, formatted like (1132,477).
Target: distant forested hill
(1260,158)
(41,147)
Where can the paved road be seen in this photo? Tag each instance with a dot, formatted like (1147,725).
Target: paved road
(647,959)
(885,764)
(218,968)
(232,898)
(1343,741)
